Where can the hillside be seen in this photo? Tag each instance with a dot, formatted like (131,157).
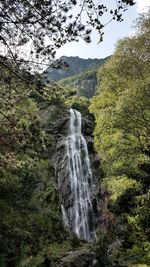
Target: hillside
(84,83)
(76,65)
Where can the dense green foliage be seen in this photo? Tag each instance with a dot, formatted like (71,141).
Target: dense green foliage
(31,225)
(31,228)
(121,110)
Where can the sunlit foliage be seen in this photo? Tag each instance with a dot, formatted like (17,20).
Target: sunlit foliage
(122,114)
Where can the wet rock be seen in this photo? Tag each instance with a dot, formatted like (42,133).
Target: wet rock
(81,258)
(103,219)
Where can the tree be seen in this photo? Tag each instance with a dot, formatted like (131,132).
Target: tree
(121,109)
(29,210)
(41,27)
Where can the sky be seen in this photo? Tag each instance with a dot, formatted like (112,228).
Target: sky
(112,32)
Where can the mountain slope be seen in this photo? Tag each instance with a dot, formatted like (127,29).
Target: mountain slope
(84,84)
(76,65)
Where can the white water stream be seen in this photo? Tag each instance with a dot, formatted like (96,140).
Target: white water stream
(80,215)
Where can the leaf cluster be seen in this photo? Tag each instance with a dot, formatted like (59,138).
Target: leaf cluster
(28,199)
(121,110)
(35,30)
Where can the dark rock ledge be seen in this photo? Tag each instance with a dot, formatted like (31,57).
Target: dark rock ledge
(79,258)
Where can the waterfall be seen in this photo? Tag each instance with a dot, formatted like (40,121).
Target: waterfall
(79,216)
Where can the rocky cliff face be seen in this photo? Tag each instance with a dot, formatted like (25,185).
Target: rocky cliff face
(76,65)
(103,219)
(82,258)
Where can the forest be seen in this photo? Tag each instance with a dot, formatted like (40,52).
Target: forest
(33,118)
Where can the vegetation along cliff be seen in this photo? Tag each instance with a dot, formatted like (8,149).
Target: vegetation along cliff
(75,161)
(75,65)
(80,74)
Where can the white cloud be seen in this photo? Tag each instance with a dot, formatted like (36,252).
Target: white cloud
(143,5)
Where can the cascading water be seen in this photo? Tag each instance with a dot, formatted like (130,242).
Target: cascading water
(79,217)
